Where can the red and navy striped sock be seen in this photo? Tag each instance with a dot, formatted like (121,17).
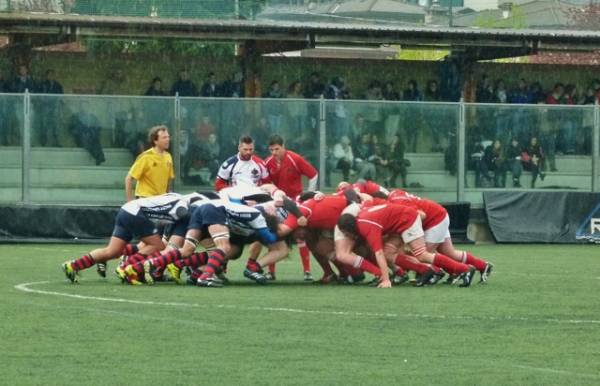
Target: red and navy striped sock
(130,249)
(83,262)
(166,258)
(196,260)
(216,259)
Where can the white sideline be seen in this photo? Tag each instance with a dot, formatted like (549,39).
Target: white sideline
(25,288)
(556,371)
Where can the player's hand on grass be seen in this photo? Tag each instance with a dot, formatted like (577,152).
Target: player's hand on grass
(385,283)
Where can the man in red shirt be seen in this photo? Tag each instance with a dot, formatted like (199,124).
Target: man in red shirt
(437,234)
(372,223)
(369,187)
(286,169)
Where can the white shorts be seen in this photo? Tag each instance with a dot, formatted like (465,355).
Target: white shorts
(438,233)
(414,232)
(353,209)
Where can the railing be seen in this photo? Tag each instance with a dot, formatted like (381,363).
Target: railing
(77,148)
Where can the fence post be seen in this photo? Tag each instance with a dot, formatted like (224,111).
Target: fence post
(26,150)
(322,144)
(460,147)
(596,150)
(175,148)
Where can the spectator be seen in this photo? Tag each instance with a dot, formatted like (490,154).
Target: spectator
(373,111)
(434,116)
(358,128)
(204,129)
(155,88)
(23,81)
(210,88)
(396,162)
(341,158)
(533,160)
(233,110)
(273,109)
(551,128)
(485,94)
(379,158)
(297,109)
(364,158)
(261,133)
(520,116)
(234,86)
(583,136)
(154,109)
(210,153)
(337,115)
(153,169)
(569,120)
(314,90)
(493,164)
(389,93)
(85,128)
(116,83)
(513,158)
(502,115)
(184,87)
(411,114)
(48,119)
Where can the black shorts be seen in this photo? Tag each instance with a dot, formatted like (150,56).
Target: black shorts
(205,215)
(240,240)
(128,226)
(177,229)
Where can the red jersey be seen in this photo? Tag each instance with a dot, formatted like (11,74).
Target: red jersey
(321,214)
(287,175)
(368,187)
(374,222)
(434,212)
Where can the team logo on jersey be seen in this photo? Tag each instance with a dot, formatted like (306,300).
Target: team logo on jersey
(255,172)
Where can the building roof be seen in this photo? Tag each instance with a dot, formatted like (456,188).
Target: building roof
(531,14)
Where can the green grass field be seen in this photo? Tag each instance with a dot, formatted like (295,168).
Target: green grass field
(537,322)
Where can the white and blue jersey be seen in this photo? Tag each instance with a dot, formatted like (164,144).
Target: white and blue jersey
(235,171)
(248,222)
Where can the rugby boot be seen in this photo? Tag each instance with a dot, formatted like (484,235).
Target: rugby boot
(467,277)
(70,273)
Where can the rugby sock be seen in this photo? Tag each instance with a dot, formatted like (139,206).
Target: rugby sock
(130,249)
(167,258)
(272,268)
(304,255)
(196,260)
(216,259)
(83,262)
(367,266)
(253,265)
(474,261)
(134,259)
(449,265)
(409,263)
(351,271)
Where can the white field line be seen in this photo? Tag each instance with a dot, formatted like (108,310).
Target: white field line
(562,372)
(26,288)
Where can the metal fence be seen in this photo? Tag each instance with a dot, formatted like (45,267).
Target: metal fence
(78,148)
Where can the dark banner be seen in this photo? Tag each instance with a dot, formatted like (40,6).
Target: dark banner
(45,223)
(56,222)
(538,217)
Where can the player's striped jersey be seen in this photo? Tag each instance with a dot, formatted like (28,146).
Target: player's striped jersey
(163,209)
(251,172)
(244,220)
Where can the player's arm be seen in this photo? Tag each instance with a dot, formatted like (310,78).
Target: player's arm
(129,187)
(375,241)
(310,172)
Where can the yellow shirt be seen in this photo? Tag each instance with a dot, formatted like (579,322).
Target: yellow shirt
(152,172)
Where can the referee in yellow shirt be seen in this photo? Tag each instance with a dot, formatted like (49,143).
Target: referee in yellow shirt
(153,169)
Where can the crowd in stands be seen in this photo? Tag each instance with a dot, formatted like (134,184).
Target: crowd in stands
(367,140)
